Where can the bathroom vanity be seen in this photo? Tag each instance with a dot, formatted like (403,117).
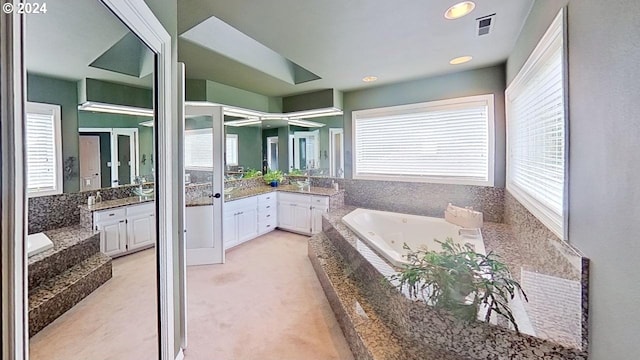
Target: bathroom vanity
(125,225)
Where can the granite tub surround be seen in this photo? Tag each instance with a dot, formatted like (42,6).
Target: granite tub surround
(70,246)
(548,262)
(422,326)
(367,334)
(423,198)
(58,211)
(62,276)
(57,295)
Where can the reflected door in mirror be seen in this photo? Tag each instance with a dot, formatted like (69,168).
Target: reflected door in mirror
(90,163)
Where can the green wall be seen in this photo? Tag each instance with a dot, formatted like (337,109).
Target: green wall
(64,93)
(249,145)
(490,80)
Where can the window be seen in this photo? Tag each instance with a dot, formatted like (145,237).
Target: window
(232,149)
(536,121)
(198,149)
(449,141)
(44,149)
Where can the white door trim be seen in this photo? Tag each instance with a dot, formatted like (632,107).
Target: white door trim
(216,254)
(12,226)
(137,16)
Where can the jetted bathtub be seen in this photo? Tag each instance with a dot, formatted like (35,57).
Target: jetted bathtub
(387,232)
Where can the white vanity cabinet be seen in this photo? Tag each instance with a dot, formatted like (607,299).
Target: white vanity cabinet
(125,229)
(240,221)
(267,212)
(301,213)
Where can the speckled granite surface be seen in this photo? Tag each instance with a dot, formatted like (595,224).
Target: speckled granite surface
(45,211)
(423,198)
(335,197)
(367,334)
(71,245)
(116,203)
(422,324)
(59,294)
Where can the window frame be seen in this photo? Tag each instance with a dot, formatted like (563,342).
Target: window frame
(237,152)
(556,223)
(56,111)
(197,131)
(399,109)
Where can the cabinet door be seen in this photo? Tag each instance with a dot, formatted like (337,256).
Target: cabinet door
(316,218)
(113,237)
(229,229)
(247,221)
(302,218)
(286,215)
(140,231)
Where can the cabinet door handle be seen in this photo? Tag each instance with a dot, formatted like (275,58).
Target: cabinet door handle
(112,214)
(269,215)
(294,204)
(268,225)
(268,206)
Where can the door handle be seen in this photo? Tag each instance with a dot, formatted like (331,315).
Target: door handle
(217,196)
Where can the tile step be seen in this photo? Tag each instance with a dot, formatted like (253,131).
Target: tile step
(63,258)
(60,293)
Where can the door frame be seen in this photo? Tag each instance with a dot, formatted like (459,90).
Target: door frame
(137,16)
(316,148)
(134,148)
(195,256)
(270,140)
(99,174)
(332,133)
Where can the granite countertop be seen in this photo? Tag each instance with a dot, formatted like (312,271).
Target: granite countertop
(245,193)
(63,238)
(110,204)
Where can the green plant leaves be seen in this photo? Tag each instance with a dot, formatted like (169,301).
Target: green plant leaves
(460,280)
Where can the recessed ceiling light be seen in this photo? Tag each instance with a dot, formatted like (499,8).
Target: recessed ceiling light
(459,10)
(460,60)
(369,78)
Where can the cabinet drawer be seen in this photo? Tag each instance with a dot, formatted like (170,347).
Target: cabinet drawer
(238,205)
(142,209)
(267,215)
(109,215)
(265,198)
(295,198)
(320,201)
(265,226)
(267,206)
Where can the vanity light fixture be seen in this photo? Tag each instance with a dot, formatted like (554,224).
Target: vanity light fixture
(115,109)
(460,60)
(305,123)
(245,122)
(369,78)
(459,10)
(149,123)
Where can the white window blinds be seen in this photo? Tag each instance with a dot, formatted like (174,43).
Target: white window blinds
(43,149)
(232,149)
(536,131)
(447,141)
(198,149)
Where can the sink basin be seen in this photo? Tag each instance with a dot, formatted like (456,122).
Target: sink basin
(302,184)
(144,192)
(228,190)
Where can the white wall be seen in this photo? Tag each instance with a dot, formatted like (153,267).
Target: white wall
(604,159)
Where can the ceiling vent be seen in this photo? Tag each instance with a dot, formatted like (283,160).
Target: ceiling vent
(485,24)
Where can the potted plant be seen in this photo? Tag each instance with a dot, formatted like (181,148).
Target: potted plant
(273,178)
(460,280)
(252,173)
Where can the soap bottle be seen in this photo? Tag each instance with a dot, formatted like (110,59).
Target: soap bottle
(98,197)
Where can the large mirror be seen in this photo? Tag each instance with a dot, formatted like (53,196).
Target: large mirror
(314,147)
(90,126)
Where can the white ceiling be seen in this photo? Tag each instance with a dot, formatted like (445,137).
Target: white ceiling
(344,40)
(70,36)
(340,40)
